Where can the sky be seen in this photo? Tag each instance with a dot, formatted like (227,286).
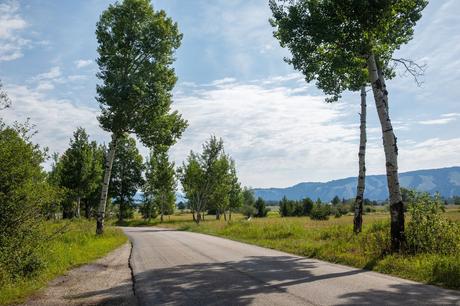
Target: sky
(234,83)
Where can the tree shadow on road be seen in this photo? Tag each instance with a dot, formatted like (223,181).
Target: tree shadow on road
(227,283)
(403,294)
(239,282)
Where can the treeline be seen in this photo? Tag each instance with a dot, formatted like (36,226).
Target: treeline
(78,175)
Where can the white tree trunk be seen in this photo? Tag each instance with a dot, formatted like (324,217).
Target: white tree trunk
(105,186)
(391,154)
(78,207)
(358,219)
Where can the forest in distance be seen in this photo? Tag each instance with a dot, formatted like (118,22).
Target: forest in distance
(70,214)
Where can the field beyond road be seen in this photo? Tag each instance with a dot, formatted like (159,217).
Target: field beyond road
(330,240)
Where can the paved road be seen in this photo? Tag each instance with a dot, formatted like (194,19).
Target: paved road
(182,268)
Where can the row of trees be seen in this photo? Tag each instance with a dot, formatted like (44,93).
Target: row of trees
(209,181)
(78,174)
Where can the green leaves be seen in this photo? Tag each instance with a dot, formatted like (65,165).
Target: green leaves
(330,39)
(136,50)
(209,179)
(126,176)
(160,185)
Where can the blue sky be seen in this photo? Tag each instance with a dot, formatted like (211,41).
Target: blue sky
(234,83)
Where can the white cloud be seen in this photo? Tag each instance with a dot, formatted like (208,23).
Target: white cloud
(437,121)
(45,86)
(430,153)
(55,119)
(77,77)
(83,63)
(243,30)
(53,73)
(445,119)
(11,26)
(275,136)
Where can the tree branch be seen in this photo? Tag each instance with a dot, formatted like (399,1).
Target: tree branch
(416,70)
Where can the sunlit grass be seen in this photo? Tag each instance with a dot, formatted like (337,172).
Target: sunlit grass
(76,245)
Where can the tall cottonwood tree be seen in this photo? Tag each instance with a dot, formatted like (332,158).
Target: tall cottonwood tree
(136,51)
(343,44)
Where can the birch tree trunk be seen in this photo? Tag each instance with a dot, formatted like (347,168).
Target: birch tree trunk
(391,154)
(105,186)
(78,207)
(358,219)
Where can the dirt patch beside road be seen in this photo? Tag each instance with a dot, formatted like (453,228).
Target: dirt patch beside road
(105,282)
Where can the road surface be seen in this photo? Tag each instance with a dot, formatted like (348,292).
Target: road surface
(182,268)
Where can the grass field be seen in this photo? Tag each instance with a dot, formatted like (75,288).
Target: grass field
(331,240)
(73,243)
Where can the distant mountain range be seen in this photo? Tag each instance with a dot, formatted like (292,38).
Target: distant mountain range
(446,181)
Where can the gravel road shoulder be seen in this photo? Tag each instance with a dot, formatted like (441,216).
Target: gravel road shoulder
(106,281)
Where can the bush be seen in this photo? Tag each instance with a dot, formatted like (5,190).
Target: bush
(248,210)
(262,210)
(148,209)
(307,205)
(320,212)
(428,231)
(24,193)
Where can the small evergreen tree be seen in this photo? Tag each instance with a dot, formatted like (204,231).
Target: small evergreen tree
(307,205)
(261,208)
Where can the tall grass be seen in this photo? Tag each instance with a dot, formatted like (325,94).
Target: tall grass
(70,243)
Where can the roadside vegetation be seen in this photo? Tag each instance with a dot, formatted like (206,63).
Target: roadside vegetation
(68,244)
(41,233)
(46,216)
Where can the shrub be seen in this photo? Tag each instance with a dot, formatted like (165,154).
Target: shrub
(320,212)
(307,205)
(148,209)
(375,240)
(262,210)
(286,207)
(428,231)
(248,210)
(24,193)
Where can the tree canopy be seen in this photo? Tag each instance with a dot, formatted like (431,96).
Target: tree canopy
(136,51)
(330,40)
